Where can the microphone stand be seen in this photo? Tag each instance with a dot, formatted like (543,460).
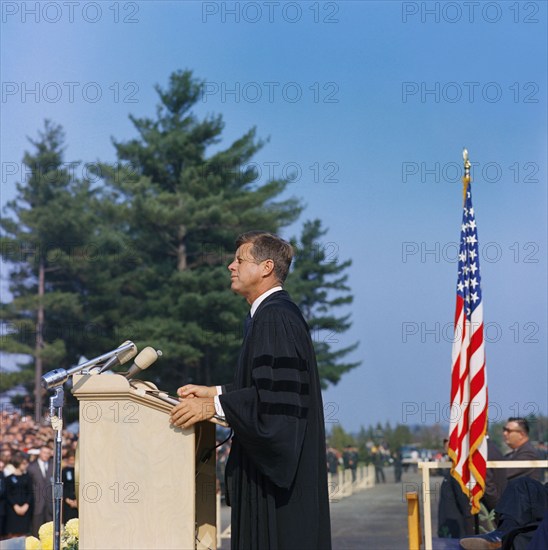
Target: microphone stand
(56,417)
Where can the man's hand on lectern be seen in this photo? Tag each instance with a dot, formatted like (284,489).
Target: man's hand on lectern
(192,390)
(190,411)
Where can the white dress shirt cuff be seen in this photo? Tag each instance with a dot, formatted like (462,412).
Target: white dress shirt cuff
(218,408)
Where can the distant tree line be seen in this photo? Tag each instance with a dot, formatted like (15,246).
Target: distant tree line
(423,436)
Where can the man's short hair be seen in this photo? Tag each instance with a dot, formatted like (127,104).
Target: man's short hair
(521,422)
(267,246)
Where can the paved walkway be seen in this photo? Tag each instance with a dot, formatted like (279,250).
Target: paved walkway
(375,518)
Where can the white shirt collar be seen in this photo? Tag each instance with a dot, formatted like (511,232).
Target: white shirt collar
(258,301)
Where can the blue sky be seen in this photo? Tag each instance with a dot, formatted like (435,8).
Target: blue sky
(372,103)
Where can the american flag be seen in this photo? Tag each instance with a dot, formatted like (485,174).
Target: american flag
(468,421)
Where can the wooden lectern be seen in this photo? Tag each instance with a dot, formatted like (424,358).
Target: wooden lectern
(142,483)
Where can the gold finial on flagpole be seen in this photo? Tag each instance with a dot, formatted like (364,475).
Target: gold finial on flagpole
(466,178)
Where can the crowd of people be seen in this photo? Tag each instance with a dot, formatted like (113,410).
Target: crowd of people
(26,474)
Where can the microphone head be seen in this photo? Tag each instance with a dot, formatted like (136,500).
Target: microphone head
(54,378)
(143,361)
(126,355)
(122,354)
(147,356)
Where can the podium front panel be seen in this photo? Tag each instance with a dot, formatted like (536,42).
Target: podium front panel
(136,472)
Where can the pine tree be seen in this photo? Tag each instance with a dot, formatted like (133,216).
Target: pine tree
(182,201)
(318,284)
(45,236)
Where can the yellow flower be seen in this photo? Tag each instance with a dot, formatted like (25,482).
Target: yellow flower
(46,535)
(72,527)
(46,530)
(32,543)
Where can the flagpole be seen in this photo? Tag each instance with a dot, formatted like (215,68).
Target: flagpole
(466,179)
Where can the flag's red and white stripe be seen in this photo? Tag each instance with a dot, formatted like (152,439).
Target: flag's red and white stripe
(469,401)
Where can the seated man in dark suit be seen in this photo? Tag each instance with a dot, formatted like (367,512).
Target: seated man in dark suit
(516,436)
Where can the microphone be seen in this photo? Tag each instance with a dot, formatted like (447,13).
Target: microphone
(120,357)
(53,378)
(143,361)
(59,376)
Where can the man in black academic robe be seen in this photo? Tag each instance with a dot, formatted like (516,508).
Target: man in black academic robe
(276,472)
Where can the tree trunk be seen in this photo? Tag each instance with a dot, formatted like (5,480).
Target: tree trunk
(39,344)
(181,249)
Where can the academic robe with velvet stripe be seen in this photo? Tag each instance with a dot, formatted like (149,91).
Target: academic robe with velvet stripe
(276,474)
